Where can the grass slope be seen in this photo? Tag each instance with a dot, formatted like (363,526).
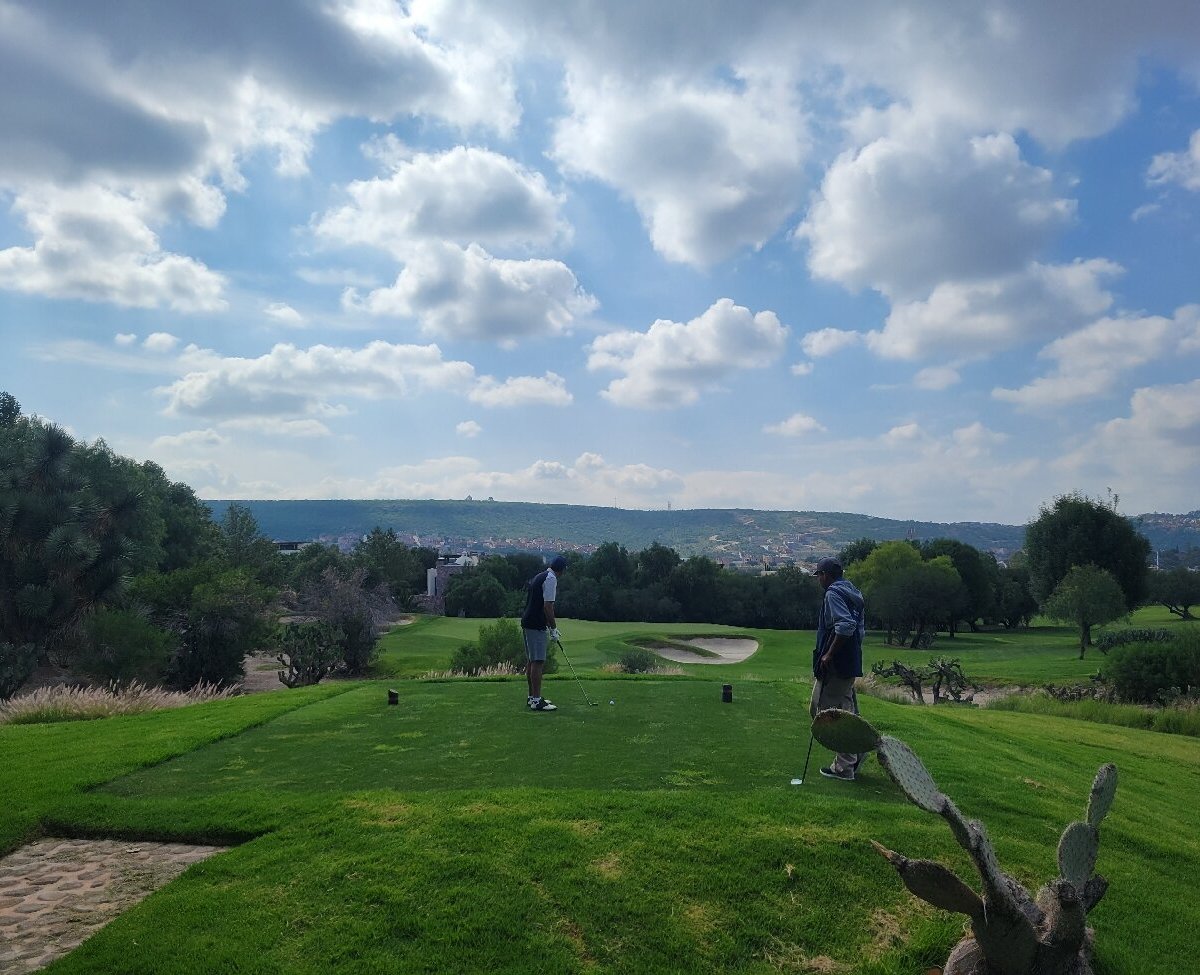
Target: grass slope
(459,832)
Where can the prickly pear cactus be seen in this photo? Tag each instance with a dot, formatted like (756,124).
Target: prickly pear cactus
(1011,932)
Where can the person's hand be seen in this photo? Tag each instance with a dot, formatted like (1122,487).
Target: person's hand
(554,634)
(825,663)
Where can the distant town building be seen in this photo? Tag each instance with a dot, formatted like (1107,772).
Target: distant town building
(437,579)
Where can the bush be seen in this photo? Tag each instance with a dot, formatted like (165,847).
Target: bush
(50,704)
(639,660)
(121,645)
(500,643)
(16,664)
(1143,672)
(309,651)
(1119,638)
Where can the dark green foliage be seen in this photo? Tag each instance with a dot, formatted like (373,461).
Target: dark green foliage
(1142,672)
(979,573)
(308,650)
(1076,530)
(217,614)
(476,592)
(498,643)
(10,410)
(1143,634)
(1086,596)
(390,562)
(345,599)
(244,546)
(638,660)
(16,664)
(1177,589)
(856,551)
(122,645)
(1013,604)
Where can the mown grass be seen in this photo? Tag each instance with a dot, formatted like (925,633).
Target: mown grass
(458,832)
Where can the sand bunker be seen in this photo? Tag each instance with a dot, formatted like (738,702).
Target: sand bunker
(728,651)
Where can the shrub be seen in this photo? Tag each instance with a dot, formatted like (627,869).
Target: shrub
(121,645)
(639,660)
(499,644)
(1119,638)
(309,651)
(1142,672)
(49,704)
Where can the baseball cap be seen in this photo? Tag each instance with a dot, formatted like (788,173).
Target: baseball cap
(831,566)
(558,564)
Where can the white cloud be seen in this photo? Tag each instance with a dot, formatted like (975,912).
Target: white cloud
(796,425)
(936,378)
(190,439)
(672,363)
(466,195)
(469,294)
(974,319)
(468,428)
(308,383)
(976,440)
(827,341)
(917,208)
(160,342)
(1178,167)
(94,244)
(711,169)
(282,312)
(274,426)
(802,369)
(1089,361)
(550,389)
(125,338)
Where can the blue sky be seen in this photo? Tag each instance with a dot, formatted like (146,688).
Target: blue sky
(922,260)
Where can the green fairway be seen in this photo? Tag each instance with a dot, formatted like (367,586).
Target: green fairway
(459,832)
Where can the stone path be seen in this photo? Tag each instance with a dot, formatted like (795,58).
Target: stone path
(54,894)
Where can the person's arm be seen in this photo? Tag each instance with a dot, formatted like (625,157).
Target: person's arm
(549,592)
(842,626)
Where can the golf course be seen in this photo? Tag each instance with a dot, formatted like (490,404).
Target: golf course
(654,831)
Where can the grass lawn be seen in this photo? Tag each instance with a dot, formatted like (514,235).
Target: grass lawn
(458,832)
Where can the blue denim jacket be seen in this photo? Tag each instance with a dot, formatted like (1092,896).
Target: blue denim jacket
(842,612)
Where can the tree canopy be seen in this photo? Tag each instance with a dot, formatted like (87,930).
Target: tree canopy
(1086,596)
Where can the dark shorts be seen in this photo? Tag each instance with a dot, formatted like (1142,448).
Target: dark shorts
(536,642)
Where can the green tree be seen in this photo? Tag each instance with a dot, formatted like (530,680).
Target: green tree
(477,593)
(10,410)
(907,594)
(1087,596)
(1013,604)
(1076,530)
(245,547)
(655,565)
(610,565)
(978,572)
(856,551)
(1177,589)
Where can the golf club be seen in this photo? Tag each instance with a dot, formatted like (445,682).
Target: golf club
(572,666)
(800,781)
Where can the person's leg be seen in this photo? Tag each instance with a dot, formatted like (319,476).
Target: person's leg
(536,642)
(838,692)
(535,677)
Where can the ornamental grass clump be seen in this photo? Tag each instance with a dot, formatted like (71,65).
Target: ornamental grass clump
(64,703)
(1012,933)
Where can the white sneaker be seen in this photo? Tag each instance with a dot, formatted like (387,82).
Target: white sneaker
(542,704)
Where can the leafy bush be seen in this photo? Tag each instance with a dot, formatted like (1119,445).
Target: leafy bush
(639,660)
(1119,638)
(499,643)
(1142,672)
(121,645)
(16,664)
(310,651)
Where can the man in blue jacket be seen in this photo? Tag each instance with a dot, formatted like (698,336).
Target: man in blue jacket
(837,657)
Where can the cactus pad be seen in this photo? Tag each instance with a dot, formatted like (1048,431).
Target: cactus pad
(844,731)
(934,883)
(1077,853)
(908,772)
(1104,787)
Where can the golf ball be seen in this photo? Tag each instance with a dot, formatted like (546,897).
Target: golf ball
(612,702)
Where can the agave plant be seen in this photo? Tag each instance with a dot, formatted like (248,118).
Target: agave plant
(1012,933)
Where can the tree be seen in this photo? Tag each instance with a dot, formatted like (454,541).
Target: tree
(1178,590)
(979,574)
(475,592)
(1087,596)
(10,410)
(244,546)
(1076,530)
(1013,604)
(908,594)
(655,565)
(856,550)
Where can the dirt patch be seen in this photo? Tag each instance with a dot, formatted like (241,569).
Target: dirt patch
(727,650)
(55,894)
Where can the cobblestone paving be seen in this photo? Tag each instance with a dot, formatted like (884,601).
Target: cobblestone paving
(54,894)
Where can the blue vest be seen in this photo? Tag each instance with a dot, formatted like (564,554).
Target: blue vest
(534,617)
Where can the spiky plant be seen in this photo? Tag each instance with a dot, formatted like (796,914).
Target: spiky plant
(1012,933)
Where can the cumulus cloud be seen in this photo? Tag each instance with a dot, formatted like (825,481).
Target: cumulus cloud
(1089,361)
(671,363)
(974,319)
(94,244)
(913,209)
(466,194)
(796,425)
(711,170)
(468,428)
(308,383)
(282,312)
(937,377)
(550,389)
(1182,168)
(827,341)
(274,426)
(125,338)
(160,342)
(469,294)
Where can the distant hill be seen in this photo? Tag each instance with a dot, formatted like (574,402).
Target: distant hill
(719,532)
